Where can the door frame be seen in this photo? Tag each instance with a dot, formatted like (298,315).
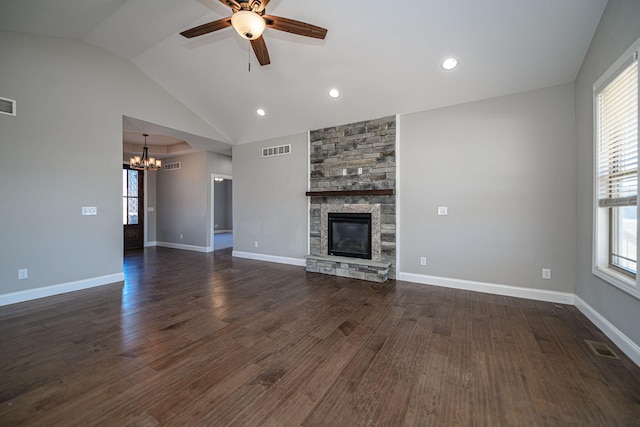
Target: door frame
(141,206)
(212,230)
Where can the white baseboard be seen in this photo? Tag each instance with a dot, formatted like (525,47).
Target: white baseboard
(185,247)
(63,288)
(150,244)
(222,231)
(491,288)
(301,262)
(630,348)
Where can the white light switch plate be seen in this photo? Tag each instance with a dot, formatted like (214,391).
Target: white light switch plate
(442,210)
(89,210)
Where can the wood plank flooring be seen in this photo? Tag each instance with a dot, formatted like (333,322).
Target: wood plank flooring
(197,339)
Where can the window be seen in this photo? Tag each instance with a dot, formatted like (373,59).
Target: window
(129,196)
(616,201)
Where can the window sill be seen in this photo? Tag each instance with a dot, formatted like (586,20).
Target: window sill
(618,280)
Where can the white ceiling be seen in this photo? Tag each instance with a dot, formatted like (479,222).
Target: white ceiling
(383,55)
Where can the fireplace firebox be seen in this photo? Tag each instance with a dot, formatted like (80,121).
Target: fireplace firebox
(349,234)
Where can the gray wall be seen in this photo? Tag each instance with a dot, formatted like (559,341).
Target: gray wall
(223,215)
(505,168)
(269,202)
(150,179)
(63,151)
(182,201)
(619,28)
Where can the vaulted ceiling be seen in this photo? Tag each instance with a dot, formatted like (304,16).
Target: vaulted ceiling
(384,56)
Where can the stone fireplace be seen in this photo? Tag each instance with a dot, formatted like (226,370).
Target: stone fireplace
(353,171)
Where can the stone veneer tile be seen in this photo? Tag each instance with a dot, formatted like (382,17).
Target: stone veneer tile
(337,154)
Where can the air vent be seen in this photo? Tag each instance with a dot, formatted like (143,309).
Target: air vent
(276,151)
(601,349)
(172,166)
(8,106)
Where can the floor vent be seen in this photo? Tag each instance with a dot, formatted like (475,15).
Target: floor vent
(7,106)
(276,151)
(601,349)
(172,166)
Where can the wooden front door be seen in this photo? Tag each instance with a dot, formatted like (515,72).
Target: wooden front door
(133,207)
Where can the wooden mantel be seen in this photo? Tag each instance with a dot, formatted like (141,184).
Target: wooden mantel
(386,192)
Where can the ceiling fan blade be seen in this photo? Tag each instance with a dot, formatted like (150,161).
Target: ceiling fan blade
(294,27)
(263,4)
(233,4)
(260,49)
(207,28)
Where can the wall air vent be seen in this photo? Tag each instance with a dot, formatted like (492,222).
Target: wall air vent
(172,166)
(276,151)
(8,106)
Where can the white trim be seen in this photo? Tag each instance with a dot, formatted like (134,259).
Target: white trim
(300,262)
(185,247)
(212,219)
(62,288)
(628,347)
(150,244)
(491,288)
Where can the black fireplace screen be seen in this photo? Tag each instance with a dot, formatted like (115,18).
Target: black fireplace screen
(349,234)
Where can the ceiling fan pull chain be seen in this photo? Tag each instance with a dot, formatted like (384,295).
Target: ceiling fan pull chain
(249,56)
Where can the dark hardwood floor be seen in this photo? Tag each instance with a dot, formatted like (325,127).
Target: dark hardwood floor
(205,339)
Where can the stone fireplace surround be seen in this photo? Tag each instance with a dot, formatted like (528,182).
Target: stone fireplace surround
(374,210)
(353,170)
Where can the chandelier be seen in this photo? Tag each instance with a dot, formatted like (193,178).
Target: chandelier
(143,162)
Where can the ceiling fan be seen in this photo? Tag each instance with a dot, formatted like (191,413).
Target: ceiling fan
(249,20)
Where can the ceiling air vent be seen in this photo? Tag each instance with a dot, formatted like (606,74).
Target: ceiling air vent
(8,106)
(172,166)
(276,151)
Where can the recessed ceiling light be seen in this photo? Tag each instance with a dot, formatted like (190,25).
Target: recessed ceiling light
(261,112)
(450,63)
(334,93)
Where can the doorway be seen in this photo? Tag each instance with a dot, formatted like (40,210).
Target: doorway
(132,211)
(222,211)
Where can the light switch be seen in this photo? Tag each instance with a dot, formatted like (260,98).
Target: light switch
(442,210)
(89,210)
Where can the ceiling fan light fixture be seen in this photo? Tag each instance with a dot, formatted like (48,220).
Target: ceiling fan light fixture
(248,24)
(261,112)
(334,93)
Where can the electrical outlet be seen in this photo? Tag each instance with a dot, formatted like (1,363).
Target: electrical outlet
(359,171)
(181,237)
(23,273)
(442,210)
(344,171)
(546,273)
(423,260)
(255,244)
(216,226)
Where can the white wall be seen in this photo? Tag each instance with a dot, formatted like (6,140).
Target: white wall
(619,28)
(505,169)
(63,151)
(269,202)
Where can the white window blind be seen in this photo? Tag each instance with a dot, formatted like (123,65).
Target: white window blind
(617,115)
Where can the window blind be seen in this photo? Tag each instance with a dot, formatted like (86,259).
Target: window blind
(617,115)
